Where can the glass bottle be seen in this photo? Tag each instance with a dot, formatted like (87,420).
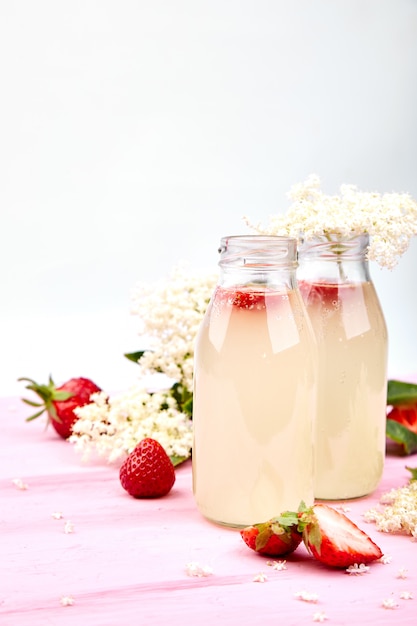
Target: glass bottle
(351,333)
(254,387)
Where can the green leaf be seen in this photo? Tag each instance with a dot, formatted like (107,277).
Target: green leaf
(33,417)
(401,393)
(402,435)
(314,537)
(31,403)
(134,356)
(60,396)
(187,407)
(413,471)
(177,460)
(287,519)
(183,398)
(263,537)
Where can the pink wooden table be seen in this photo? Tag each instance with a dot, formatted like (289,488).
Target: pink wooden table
(124,561)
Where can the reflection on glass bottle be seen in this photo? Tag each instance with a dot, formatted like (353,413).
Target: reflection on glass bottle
(254,387)
(352,343)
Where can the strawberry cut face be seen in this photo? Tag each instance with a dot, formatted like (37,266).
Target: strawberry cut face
(248,298)
(335,540)
(405,415)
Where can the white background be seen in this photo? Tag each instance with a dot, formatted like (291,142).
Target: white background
(135,133)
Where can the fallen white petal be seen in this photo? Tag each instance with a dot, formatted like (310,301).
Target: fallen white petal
(406,595)
(195,569)
(18,482)
(306,596)
(260,578)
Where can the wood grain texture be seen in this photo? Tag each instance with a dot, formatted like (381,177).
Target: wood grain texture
(125,562)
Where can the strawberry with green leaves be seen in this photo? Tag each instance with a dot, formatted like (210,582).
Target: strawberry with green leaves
(60,402)
(329,535)
(276,537)
(402,416)
(147,472)
(333,539)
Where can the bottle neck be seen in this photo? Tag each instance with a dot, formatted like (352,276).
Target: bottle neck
(258,261)
(334,259)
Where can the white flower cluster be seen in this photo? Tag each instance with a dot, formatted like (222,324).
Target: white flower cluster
(399,514)
(114,426)
(170,314)
(389,219)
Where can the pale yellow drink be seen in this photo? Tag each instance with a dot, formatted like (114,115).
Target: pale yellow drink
(253,407)
(350,427)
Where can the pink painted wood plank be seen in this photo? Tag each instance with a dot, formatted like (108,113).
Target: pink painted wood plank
(125,561)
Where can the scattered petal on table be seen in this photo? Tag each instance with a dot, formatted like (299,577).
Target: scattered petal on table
(307,596)
(195,569)
(18,482)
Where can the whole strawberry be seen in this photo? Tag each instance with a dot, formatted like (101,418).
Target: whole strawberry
(148,471)
(276,537)
(334,539)
(60,402)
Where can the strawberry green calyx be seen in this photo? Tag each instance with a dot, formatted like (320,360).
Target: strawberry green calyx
(267,529)
(276,537)
(61,402)
(296,520)
(48,394)
(286,526)
(310,530)
(304,522)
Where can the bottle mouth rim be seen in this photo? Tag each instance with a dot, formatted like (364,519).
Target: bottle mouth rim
(333,245)
(258,252)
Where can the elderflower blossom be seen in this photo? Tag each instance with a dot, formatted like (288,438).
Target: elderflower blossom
(19,484)
(389,603)
(197,570)
(385,559)
(356,569)
(170,313)
(390,219)
(399,514)
(68,527)
(279,566)
(113,426)
(307,596)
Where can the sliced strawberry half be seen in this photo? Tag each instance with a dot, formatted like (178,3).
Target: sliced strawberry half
(276,537)
(334,539)
(248,299)
(406,415)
